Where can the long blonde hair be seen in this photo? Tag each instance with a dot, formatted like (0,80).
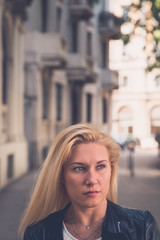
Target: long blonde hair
(49,194)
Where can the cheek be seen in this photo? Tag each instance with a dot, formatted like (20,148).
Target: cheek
(107,178)
(70,181)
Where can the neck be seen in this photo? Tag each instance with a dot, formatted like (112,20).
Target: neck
(87,216)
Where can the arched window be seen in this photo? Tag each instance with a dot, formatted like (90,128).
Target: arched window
(125,118)
(125,114)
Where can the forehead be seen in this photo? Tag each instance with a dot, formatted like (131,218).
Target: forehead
(88,150)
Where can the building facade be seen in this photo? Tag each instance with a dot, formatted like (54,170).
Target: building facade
(136,104)
(13,144)
(67,72)
(54,72)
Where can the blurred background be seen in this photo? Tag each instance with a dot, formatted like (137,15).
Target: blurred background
(68,61)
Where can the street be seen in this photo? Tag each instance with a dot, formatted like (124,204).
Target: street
(141,191)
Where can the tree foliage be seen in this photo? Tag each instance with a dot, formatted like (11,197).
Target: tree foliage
(144,15)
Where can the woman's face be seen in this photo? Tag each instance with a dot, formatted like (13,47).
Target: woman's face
(87,175)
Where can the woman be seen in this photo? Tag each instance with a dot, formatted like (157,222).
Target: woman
(75,195)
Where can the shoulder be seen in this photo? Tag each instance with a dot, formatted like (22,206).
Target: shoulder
(51,225)
(130,213)
(141,221)
(134,217)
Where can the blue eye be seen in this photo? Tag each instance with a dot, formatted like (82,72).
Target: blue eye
(101,166)
(79,169)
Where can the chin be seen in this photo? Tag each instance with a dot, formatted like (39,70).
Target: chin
(92,203)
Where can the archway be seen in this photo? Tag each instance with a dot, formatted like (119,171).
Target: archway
(125,120)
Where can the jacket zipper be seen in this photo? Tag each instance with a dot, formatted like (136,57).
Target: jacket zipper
(119,228)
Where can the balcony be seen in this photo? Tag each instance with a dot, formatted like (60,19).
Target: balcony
(81,9)
(46,49)
(109,26)
(108,79)
(18,7)
(80,69)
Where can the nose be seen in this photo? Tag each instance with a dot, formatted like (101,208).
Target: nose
(91,178)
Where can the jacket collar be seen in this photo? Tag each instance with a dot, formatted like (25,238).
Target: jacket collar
(112,224)
(111,227)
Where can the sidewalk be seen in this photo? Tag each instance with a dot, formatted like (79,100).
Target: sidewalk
(13,201)
(141,191)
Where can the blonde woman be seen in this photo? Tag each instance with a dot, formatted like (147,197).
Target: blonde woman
(75,195)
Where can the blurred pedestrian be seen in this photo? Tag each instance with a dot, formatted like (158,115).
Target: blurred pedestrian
(157,138)
(75,195)
(130,145)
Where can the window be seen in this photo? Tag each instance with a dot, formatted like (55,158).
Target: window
(157,81)
(125,114)
(89,43)
(59,101)
(77,2)
(75,37)
(104,112)
(125,81)
(89,107)
(45,92)
(76,94)
(10,171)
(44,12)
(44,152)
(104,55)
(125,120)
(58,19)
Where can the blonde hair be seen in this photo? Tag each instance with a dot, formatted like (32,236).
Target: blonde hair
(49,194)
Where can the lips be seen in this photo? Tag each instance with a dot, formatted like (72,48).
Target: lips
(91,193)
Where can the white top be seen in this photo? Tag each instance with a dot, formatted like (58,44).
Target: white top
(68,236)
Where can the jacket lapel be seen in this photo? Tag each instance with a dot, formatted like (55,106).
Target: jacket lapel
(111,229)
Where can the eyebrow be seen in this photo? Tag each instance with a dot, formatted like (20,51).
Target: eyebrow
(80,163)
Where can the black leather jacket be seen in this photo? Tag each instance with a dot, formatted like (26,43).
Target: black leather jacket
(119,224)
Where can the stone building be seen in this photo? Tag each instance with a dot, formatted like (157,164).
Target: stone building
(13,144)
(67,75)
(54,72)
(136,104)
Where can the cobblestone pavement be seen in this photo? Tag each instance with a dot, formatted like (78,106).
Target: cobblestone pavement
(141,191)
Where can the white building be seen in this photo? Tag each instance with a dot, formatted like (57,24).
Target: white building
(136,104)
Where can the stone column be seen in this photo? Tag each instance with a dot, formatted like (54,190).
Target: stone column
(141,121)
(51,113)
(0,70)
(12,84)
(32,110)
(20,80)
(16,82)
